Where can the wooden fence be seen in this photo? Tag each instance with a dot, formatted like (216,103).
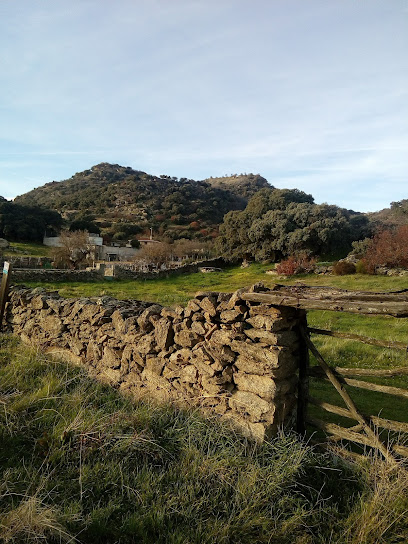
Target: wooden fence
(367,428)
(4,287)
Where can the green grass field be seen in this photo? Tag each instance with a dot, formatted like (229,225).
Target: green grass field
(27,249)
(179,289)
(81,463)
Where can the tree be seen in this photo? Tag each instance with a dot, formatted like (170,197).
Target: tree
(26,223)
(155,254)
(282,222)
(387,248)
(74,250)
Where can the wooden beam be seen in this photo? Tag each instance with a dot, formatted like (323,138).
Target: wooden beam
(318,372)
(376,307)
(303,384)
(361,384)
(376,387)
(343,412)
(363,339)
(396,426)
(401,450)
(342,432)
(334,293)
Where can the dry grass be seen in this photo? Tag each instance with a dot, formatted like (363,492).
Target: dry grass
(380,515)
(32,521)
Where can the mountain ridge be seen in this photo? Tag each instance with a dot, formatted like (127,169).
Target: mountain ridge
(122,202)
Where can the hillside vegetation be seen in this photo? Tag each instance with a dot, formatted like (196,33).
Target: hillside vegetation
(242,185)
(280,222)
(26,222)
(122,202)
(396,214)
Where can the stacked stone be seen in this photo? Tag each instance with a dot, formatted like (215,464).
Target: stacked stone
(49,274)
(230,357)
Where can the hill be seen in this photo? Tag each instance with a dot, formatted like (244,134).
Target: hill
(122,202)
(395,215)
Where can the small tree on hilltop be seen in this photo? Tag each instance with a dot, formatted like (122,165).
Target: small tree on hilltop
(74,249)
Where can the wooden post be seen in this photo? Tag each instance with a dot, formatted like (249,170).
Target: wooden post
(4,288)
(303,386)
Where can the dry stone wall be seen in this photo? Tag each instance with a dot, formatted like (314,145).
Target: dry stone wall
(222,354)
(120,271)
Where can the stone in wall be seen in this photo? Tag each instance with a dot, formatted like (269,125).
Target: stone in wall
(229,357)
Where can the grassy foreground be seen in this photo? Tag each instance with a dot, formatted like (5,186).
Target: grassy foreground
(81,463)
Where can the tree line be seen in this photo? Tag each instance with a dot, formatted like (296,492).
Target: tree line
(26,223)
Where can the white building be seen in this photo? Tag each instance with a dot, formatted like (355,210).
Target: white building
(100,252)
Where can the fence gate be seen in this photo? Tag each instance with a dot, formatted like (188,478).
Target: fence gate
(367,428)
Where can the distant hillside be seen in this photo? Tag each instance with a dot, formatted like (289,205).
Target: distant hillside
(122,202)
(396,214)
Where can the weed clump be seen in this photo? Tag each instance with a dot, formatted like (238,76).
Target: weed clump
(344,268)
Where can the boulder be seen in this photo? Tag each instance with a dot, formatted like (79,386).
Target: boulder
(163,333)
(247,403)
(53,325)
(111,358)
(283,338)
(187,339)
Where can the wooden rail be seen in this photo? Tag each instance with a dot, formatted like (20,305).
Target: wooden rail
(365,432)
(358,338)
(309,298)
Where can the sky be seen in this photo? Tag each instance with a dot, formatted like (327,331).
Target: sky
(311,94)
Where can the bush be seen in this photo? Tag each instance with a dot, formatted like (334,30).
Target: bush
(343,268)
(360,247)
(361,267)
(296,264)
(388,248)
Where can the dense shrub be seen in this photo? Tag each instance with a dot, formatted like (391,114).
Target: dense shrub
(388,248)
(360,247)
(343,268)
(296,264)
(361,267)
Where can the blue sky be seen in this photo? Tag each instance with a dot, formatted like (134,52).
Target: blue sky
(311,94)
